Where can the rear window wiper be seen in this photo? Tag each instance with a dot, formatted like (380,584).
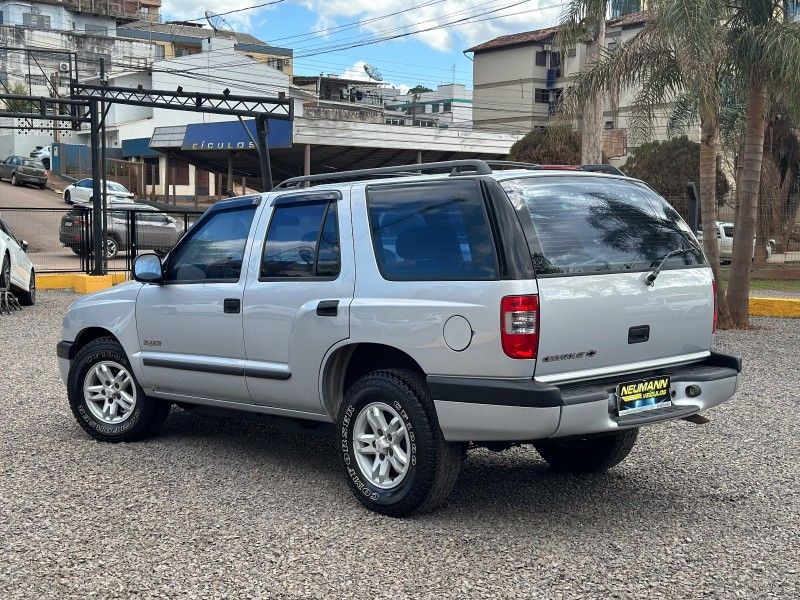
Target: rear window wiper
(680,251)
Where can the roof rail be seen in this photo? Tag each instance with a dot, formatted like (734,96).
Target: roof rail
(455,167)
(511,164)
(607,169)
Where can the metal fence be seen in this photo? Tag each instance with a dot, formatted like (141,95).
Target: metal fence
(61,239)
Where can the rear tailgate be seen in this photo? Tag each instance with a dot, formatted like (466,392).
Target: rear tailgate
(593,240)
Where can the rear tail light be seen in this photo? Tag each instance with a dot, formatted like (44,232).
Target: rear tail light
(519,326)
(714,292)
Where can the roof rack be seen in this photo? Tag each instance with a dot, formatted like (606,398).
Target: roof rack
(455,167)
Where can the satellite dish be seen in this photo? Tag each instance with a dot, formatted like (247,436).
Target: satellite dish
(218,22)
(373,72)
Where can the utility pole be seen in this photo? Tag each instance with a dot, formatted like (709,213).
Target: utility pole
(262,135)
(97,214)
(54,82)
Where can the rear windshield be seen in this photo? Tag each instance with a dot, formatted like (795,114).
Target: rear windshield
(33,163)
(586,225)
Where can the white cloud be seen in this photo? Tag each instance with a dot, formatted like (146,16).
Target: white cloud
(459,36)
(181,10)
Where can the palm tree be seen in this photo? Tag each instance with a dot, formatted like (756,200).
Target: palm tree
(675,61)
(585,21)
(765,49)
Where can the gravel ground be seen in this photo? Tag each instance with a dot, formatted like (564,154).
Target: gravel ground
(775,294)
(217,508)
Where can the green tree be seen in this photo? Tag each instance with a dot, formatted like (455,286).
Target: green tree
(764,49)
(19,106)
(675,60)
(584,21)
(553,146)
(667,166)
(419,89)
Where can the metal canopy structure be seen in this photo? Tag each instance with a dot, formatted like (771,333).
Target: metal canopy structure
(220,104)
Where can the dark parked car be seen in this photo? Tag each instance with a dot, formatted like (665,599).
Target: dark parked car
(155,230)
(19,169)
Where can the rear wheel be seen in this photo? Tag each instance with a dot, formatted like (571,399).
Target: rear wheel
(590,454)
(112,247)
(393,453)
(29,298)
(105,397)
(14,179)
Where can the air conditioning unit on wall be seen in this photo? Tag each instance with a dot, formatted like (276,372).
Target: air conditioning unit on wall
(63,67)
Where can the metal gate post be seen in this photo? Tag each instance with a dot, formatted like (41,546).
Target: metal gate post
(262,135)
(97,216)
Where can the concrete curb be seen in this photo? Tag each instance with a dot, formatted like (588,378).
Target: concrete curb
(80,282)
(775,307)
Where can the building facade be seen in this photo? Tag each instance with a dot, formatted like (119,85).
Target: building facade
(519,78)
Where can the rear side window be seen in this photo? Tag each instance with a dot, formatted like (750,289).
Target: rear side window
(587,225)
(302,241)
(431,231)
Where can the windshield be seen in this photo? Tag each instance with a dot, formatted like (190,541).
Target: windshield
(116,187)
(35,164)
(580,225)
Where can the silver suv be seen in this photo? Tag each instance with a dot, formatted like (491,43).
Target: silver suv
(423,310)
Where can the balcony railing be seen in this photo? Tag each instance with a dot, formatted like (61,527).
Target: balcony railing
(119,9)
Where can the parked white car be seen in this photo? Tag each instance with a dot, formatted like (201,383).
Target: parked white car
(16,269)
(724,232)
(42,153)
(81,191)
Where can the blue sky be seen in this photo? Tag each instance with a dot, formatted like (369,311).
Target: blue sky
(429,58)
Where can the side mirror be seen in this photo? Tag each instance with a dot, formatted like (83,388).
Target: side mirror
(147,268)
(24,245)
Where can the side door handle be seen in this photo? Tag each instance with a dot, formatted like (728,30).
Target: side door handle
(328,308)
(232,305)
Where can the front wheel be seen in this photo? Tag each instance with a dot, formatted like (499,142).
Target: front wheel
(29,298)
(105,397)
(112,247)
(589,454)
(5,274)
(14,179)
(394,456)
(67,198)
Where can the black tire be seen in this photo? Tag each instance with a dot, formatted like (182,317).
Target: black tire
(14,179)
(75,249)
(29,298)
(148,413)
(112,246)
(67,197)
(590,454)
(43,186)
(434,462)
(5,274)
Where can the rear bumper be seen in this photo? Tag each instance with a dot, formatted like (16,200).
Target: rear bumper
(37,179)
(472,409)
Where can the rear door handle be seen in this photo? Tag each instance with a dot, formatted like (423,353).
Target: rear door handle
(232,305)
(328,308)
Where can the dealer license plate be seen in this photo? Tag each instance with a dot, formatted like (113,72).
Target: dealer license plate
(644,394)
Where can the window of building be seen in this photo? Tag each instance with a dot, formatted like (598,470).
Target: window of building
(37,21)
(179,170)
(541,58)
(447,106)
(435,107)
(215,250)
(92,29)
(302,241)
(184,51)
(159,52)
(609,125)
(431,231)
(555,60)
(152,171)
(276,63)
(542,95)
(36,80)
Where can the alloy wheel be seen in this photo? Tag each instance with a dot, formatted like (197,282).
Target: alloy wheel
(381,445)
(110,392)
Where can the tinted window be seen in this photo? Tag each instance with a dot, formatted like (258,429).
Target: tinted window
(302,241)
(591,225)
(431,231)
(215,250)
(33,163)
(116,187)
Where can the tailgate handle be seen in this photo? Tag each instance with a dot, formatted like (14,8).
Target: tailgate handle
(638,334)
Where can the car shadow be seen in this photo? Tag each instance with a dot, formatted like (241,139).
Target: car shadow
(492,488)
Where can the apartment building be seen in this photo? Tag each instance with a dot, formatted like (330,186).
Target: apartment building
(519,78)
(449,105)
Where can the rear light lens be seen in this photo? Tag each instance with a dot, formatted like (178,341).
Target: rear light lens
(714,291)
(519,326)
